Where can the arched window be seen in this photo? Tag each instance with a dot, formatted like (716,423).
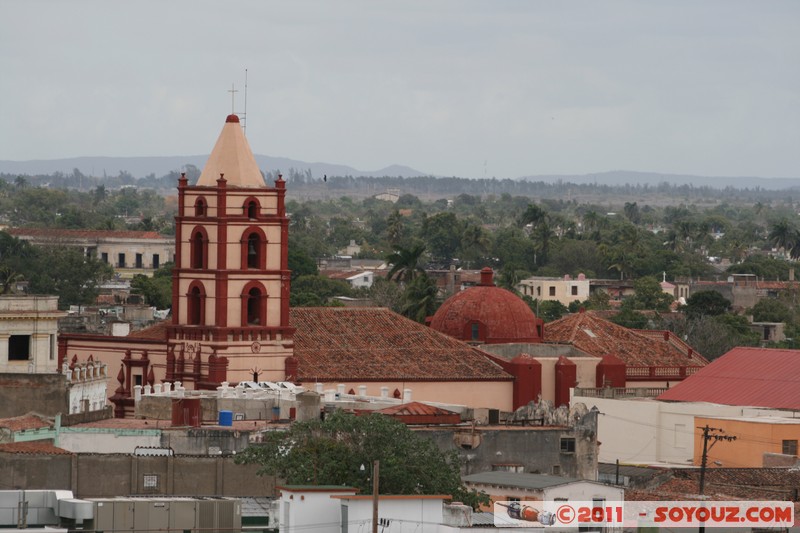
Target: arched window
(194,306)
(200,207)
(252,209)
(198,250)
(254,307)
(253,246)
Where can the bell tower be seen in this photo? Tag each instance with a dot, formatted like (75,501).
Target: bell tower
(230,290)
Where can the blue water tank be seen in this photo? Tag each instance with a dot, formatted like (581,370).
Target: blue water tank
(226,418)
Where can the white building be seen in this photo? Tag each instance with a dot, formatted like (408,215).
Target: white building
(649,431)
(564,290)
(28,332)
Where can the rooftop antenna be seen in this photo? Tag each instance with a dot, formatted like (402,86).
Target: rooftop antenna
(244,115)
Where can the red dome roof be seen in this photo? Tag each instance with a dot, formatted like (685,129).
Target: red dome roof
(488,315)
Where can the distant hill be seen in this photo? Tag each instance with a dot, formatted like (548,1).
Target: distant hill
(653,179)
(140,167)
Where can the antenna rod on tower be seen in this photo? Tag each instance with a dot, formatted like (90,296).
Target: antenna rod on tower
(244,115)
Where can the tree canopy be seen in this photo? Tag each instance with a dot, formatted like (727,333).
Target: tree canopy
(332,451)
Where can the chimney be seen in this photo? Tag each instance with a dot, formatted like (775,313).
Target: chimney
(487,276)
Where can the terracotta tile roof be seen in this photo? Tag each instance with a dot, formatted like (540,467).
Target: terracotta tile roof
(597,336)
(414,408)
(50,233)
(25,422)
(157,331)
(341,274)
(724,484)
(759,377)
(362,344)
(33,447)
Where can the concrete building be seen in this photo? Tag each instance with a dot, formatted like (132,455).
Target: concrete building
(518,486)
(563,290)
(31,376)
(129,252)
(28,330)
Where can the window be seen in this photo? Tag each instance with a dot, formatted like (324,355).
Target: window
(568,445)
(121,260)
(253,247)
(137,380)
(552,291)
(194,307)
(19,347)
(156,261)
(138,260)
(200,207)
(476,330)
(574,290)
(538,291)
(254,307)
(790,447)
(198,249)
(150,481)
(252,209)
(104,257)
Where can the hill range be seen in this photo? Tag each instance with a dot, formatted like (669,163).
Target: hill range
(159,166)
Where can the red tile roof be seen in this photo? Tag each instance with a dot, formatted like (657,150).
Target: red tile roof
(363,344)
(724,484)
(415,408)
(597,336)
(759,377)
(33,447)
(157,331)
(50,233)
(25,422)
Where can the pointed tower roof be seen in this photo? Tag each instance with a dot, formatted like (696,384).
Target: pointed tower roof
(232,157)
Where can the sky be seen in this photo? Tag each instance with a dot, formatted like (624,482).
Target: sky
(463,88)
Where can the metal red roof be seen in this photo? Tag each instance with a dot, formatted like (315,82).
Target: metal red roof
(758,377)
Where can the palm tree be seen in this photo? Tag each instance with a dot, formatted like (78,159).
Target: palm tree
(420,298)
(395,228)
(783,235)
(406,262)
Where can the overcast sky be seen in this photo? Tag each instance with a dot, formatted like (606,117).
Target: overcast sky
(464,88)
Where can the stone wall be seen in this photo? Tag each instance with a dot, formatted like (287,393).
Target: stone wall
(45,394)
(107,475)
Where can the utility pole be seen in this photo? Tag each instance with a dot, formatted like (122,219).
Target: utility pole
(375,488)
(707,436)
(716,436)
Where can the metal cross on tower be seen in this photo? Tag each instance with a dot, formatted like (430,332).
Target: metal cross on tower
(233,92)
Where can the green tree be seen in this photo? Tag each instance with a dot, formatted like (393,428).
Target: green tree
(316,290)
(442,233)
(706,303)
(157,290)
(419,298)
(332,452)
(649,295)
(629,317)
(770,310)
(406,262)
(300,263)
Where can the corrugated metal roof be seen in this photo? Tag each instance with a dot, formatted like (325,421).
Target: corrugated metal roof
(516,479)
(758,377)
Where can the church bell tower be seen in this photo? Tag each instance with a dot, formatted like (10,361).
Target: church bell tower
(230,291)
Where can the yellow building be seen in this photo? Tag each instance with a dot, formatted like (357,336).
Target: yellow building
(755,436)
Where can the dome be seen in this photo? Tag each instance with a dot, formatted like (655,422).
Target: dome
(487,314)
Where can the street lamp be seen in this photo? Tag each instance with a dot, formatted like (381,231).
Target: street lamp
(375,484)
